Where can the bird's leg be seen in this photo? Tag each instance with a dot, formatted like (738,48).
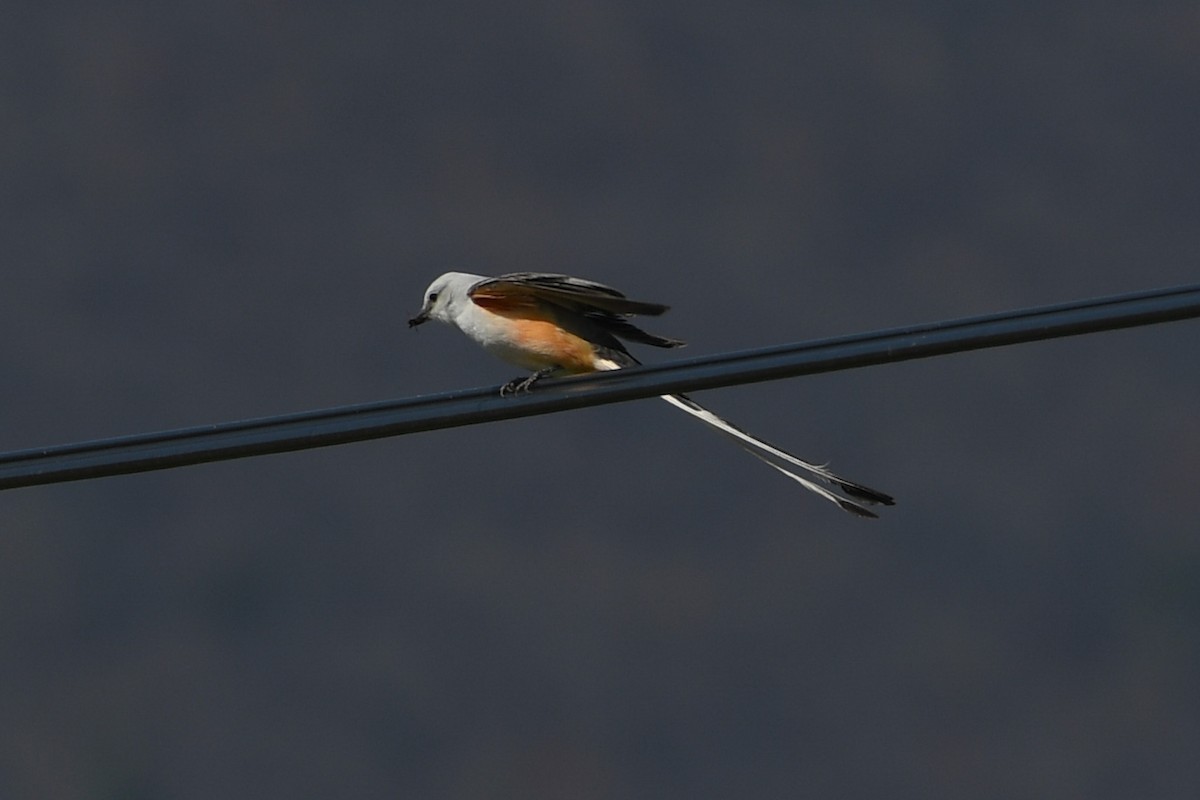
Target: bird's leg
(523,384)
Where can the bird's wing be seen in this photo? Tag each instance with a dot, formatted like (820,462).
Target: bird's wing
(524,289)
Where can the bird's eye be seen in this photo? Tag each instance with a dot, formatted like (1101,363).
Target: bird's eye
(433,297)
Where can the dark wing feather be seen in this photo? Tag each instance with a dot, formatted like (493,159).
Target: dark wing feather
(574,293)
(601,305)
(621,327)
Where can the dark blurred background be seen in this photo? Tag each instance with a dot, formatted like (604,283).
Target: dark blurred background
(226,210)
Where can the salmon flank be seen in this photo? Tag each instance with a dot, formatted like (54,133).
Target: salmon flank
(546,341)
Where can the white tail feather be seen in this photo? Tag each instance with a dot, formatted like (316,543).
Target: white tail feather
(840,502)
(757,447)
(753,445)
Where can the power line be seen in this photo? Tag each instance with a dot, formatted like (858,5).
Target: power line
(167,449)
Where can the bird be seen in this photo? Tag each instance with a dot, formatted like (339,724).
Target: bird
(554,325)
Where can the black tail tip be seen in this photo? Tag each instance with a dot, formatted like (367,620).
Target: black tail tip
(857,510)
(869,495)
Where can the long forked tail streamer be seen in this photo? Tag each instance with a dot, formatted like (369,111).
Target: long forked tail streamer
(760,449)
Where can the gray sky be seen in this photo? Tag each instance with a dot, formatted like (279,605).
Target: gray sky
(228,210)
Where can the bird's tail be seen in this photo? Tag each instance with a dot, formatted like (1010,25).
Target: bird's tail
(761,450)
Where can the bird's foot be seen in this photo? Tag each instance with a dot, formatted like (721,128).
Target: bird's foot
(523,384)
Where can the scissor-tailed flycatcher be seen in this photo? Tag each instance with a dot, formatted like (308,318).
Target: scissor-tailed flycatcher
(559,325)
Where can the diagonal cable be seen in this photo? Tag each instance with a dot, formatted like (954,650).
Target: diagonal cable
(299,431)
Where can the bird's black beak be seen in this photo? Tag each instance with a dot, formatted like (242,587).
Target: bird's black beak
(419,318)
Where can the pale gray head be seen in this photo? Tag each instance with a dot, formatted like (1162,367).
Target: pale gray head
(445,297)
